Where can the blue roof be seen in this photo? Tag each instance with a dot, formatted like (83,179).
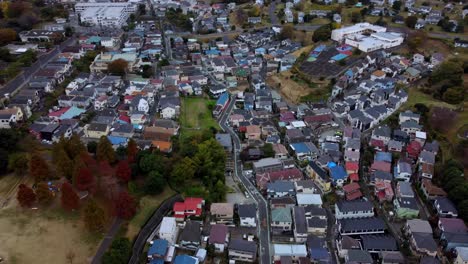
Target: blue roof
(72,112)
(300,148)
(349,73)
(383,156)
(157,261)
(222,100)
(338,172)
(319,254)
(331,164)
(320,48)
(117,140)
(339,57)
(212,52)
(184,259)
(94,39)
(159,247)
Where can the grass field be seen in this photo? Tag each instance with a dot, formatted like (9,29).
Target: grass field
(415,96)
(36,236)
(196,116)
(148,204)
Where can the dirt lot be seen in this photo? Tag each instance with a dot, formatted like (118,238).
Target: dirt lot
(43,237)
(291,90)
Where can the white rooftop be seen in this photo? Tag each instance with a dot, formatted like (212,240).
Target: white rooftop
(290,250)
(309,199)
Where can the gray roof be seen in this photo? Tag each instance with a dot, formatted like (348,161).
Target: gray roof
(379,243)
(371,223)
(359,256)
(405,189)
(432,146)
(357,205)
(392,257)
(405,167)
(393,144)
(316,222)
(97,127)
(445,204)
(247,210)
(408,202)
(306,183)
(299,219)
(243,245)
(419,226)
(353,143)
(410,124)
(280,186)
(383,175)
(425,241)
(427,157)
(429,260)
(191,231)
(382,131)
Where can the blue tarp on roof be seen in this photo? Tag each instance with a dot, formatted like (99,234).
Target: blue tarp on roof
(222,100)
(383,156)
(184,259)
(338,173)
(72,112)
(117,140)
(331,164)
(339,57)
(159,247)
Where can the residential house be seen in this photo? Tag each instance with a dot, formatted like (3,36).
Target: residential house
(219,237)
(345,243)
(96,130)
(300,227)
(158,249)
(289,252)
(280,151)
(420,236)
(379,243)
(280,189)
(305,186)
(358,256)
(319,176)
(453,232)
(352,191)
(353,209)
(406,207)
(445,207)
(292,175)
(222,213)
(402,171)
(267,165)
(247,215)
(431,191)
(189,207)
(281,220)
(190,238)
(242,250)
(305,199)
(361,226)
(168,229)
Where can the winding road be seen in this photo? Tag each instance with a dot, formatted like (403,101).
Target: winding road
(262,205)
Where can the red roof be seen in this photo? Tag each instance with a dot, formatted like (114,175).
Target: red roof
(179,207)
(381,166)
(318,118)
(352,166)
(354,195)
(59,112)
(413,149)
(354,177)
(125,118)
(194,205)
(377,143)
(352,187)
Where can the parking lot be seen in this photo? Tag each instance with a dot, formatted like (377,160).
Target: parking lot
(322,68)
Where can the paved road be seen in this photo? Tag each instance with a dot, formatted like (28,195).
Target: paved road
(150,226)
(262,205)
(271,12)
(107,241)
(23,78)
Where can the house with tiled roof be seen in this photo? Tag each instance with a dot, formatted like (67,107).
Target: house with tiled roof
(431,191)
(219,237)
(281,220)
(191,206)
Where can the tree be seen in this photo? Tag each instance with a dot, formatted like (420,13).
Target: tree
(43,193)
(7,35)
(396,5)
(92,147)
(415,39)
(218,193)
(154,183)
(459,193)
(411,21)
(454,95)
(125,206)
(123,171)
(463,210)
(268,151)
(38,168)
(119,252)
(118,67)
(105,151)
(64,164)
(163,62)
(132,150)
(254,11)
(152,162)
(85,180)
(356,17)
(322,33)
(18,162)
(74,146)
(26,196)
(94,217)
(183,173)
(287,32)
(449,72)
(240,16)
(70,200)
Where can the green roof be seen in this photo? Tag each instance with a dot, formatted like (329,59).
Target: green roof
(241,73)
(281,215)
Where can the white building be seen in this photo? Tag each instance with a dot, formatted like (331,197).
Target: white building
(358,36)
(168,229)
(104,14)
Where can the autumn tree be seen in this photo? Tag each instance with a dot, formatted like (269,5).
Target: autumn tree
(105,151)
(43,193)
(105,169)
(7,35)
(63,164)
(94,216)
(85,180)
(38,168)
(287,32)
(125,206)
(132,151)
(123,171)
(118,67)
(26,196)
(254,11)
(18,163)
(70,200)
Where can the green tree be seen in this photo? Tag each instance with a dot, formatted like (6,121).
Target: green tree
(396,5)
(323,33)
(463,210)
(94,216)
(459,193)
(119,252)
(92,147)
(356,17)
(18,163)
(218,193)
(154,183)
(183,173)
(287,32)
(105,151)
(449,72)
(152,162)
(268,151)
(411,21)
